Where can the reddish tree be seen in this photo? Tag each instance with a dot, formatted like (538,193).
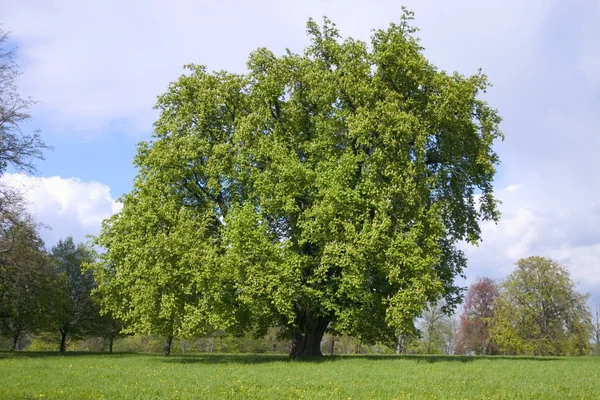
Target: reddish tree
(473,334)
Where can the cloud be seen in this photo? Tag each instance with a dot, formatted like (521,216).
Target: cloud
(97,67)
(513,188)
(68,206)
(536,221)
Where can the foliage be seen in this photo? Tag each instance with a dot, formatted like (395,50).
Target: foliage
(44,341)
(18,150)
(75,313)
(477,316)
(449,334)
(329,187)
(539,312)
(437,332)
(27,285)
(106,328)
(24,276)
(133,376)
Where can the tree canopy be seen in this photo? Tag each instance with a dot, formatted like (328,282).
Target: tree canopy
(438,331)
(17,148)
(27,284)
(540,312)
(324,188)
(25,276)
(75,312)
(475,321)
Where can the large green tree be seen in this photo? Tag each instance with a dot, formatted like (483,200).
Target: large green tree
(328,187)
(539,311)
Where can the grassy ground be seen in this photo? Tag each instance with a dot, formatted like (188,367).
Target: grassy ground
(135,376)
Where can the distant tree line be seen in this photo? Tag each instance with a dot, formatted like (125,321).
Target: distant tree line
(535,310)
(47,293)
(40,290)
(47,297)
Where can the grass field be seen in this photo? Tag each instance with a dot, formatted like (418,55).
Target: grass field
(137,376)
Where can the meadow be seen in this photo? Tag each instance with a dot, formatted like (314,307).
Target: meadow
(31,375)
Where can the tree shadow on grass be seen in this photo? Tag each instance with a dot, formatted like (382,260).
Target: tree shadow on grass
(230,359)
(463,358)
(56,354)
(268,358)
(216,358)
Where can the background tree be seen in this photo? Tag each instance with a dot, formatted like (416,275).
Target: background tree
(28,285)
(431,326)
(438,331)
(477,316)
(449,335)
(23,276)
(17,149)
(405,339)
(324,187)
(107,328)
(539,311)
(596,330)
(75,312)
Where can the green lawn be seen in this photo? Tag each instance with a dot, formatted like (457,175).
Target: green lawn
(137,376)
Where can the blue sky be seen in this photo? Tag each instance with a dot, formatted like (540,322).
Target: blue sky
(97,67)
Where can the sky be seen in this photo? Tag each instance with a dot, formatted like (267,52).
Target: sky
(95,69)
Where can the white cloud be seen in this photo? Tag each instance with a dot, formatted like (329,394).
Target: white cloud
(513,188)
(68,206)
(539,219)
(100,65)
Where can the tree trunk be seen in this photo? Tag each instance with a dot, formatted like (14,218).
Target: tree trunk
(332,344)
(399,346)
(15,340)
(306,341)
(17,334)
(167,348)
(114,331)
(63,341)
